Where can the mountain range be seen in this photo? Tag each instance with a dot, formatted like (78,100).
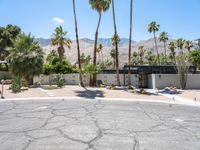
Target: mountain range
(87,47)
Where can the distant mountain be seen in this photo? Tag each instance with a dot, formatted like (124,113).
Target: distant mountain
(43,42)
(103,41)
(87,47)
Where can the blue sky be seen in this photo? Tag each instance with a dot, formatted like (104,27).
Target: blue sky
(180,18)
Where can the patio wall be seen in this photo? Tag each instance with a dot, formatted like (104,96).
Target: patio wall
(154,80)
(73,79)
(167,80)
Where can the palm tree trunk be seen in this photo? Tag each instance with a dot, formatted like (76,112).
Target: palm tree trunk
(95,48)
(116,45)
(158,57)
(130,41)
(165,52)
(78,47)
(102,57)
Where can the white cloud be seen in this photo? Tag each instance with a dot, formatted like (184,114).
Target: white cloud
(57,20)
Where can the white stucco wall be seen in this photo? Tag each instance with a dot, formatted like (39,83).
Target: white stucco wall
(167,80)
(73,79)
(154,80)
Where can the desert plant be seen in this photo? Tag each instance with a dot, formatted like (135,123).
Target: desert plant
(59,81)
(182,69)
(16,85)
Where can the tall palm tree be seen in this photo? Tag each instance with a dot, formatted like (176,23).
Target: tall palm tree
(180,43)
(59,39)
(130,42)
(100,6)
(172,47)
(116,43)
(153,28)
(164,37)
(188,45)
(78,46)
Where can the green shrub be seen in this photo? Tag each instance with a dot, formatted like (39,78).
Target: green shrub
(16,85)
(47,69)
(59,81)
(5,75)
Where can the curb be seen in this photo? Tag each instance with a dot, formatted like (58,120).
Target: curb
(96,98)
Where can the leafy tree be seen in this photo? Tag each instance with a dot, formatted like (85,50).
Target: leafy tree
(150,58)
(7,35)
(51,56)
(153,28)
(135,58)
(26,57)
(108,64)
(85,59)
(115,42)
(59,39)
(164,37)
(180,43)
(99,6)
(194,57)
(188,45)
(172,54)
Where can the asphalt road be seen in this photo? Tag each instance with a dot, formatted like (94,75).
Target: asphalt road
(98,125)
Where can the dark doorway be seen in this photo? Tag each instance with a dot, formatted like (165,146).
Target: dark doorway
(143,81)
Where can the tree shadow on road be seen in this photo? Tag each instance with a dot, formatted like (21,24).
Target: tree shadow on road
(91,94)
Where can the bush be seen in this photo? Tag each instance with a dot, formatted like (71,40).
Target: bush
(47,69)
(5,75)
(16,85)
(59,81)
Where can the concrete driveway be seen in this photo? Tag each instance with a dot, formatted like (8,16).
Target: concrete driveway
(98,125)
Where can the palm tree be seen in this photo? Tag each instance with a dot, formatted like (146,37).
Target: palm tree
(78,47)
(164,37)
(59,39)
(90,69)
(130,42)
(188,45)
(180,43)
(116,39)
(153,28)
(26,57)
(100,6)
(116,43)
(141,52)
(113,56)
(172,47)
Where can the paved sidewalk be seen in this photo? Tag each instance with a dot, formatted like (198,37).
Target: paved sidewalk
(76,91)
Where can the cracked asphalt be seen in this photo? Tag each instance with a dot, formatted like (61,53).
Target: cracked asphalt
(98,125)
